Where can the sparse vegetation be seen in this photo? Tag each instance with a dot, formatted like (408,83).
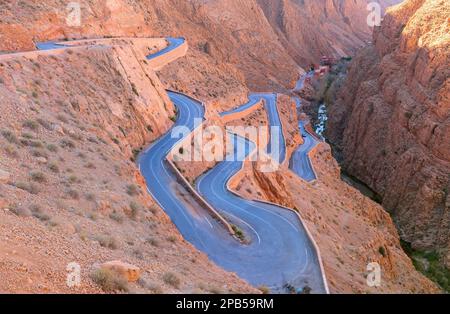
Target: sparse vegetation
(90,165)
(29,187)
(53,167)
(109,280)
(38,176)
(116,216)
(10,136)
(11,151)
(108,241)
(31,143)
(152,241)
(53,148)
(382,251)
(66,143)
(430,264)
(31,124)
(73,194)
(90,197)
(238,233)
(135,208)
(155,289)
(44,123)
(39,214)
(62,118)
(133,87)
(172,239)
(133,190)
(264,289)
(172,279)
(136,152)
(20,211)
(39,153)
(73,179)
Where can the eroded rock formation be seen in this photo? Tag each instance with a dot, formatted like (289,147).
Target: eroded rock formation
(391,122)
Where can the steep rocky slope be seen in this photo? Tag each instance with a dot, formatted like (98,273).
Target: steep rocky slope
(309,29)
(223,35)
(70,122)
(235,44)
(391,123)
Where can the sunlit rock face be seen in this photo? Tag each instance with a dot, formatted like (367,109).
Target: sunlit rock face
(391,122)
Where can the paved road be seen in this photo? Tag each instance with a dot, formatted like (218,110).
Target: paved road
(300,162)
(279,250)
(277,146)
(173,44)
(50,45)
(301,81)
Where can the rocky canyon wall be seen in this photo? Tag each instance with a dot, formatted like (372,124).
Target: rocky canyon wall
(390,124)
(309,29)
(234,44)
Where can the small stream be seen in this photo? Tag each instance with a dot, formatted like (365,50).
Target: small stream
(322,118)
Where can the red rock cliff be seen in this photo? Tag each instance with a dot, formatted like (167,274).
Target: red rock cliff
(391,121)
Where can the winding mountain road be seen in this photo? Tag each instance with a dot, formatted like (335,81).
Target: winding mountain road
(300,162)
(279,250)
(277,145)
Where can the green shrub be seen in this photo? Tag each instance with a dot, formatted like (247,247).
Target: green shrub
(53,167)
(429,263)
(39,214)
(172,279)
(73,179)
(133,87)
(31,143)
(135,209)
(62,118)
(31,124)
(38,176)
(53,148)
(116,216)
(172,239)
(11,151)
(45,124)
(10,136)
(238,232)
(132,190)
(66,143)
(109,280)
(29,187)
(152,241)
(39,153)
(108,242)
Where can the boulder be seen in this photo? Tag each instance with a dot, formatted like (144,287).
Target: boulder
(128,271)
